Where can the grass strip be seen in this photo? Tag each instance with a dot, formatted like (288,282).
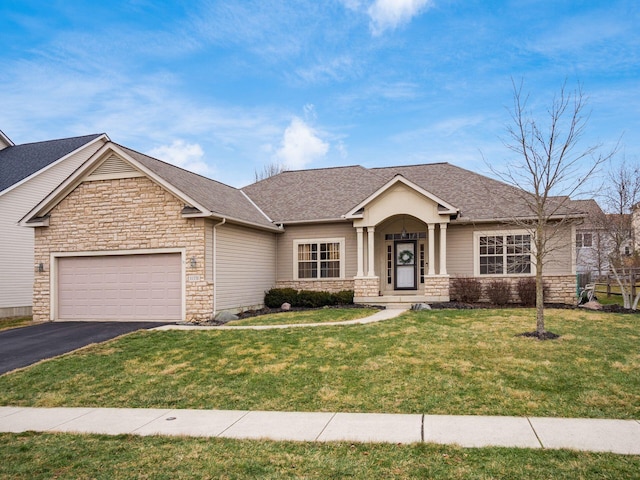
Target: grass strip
(322,315)
(66,456)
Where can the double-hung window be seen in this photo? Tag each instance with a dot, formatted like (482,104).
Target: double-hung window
(504,254)
(584,239)
(318,259)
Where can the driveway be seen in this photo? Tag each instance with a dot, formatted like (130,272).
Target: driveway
(20,347)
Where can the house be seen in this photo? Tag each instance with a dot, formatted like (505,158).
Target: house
(27,173)
(600,234)
(127,236)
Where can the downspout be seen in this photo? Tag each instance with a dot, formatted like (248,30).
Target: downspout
(215,266)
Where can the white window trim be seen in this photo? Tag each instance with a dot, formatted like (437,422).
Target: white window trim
(582,234)
(476,253)
(302,241)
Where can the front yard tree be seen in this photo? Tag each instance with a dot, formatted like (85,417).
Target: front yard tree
(620,197)
(552,165)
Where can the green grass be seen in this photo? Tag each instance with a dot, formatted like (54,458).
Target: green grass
(14,322)
(66,456)
(434,362)
(323,315)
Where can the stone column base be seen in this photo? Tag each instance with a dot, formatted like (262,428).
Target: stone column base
(436,288)
(366,287)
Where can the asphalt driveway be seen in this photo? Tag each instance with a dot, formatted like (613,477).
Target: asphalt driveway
(20,347)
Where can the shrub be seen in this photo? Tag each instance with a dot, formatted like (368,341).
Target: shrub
(499,292)
(467,289)
(275,297)
(345,297)
(313,299)
(526,288)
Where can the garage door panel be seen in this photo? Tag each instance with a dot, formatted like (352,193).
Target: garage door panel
(120,287)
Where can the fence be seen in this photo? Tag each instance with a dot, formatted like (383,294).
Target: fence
(609,285)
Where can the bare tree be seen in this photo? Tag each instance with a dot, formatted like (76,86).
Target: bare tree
(552,166)
(269,170)
(620,196)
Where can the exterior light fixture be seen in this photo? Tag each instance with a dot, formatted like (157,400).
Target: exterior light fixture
(40,267)
(194,262)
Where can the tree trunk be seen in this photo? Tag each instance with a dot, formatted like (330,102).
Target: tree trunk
(539,304)
(539,284)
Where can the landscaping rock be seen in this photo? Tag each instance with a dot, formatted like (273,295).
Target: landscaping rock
(285,307)
(224,317)
(592,305)
(420,306)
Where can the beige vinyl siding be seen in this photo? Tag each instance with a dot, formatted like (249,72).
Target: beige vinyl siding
(16,242)
(246,262)
(561,257)
(319,231)
(460,250)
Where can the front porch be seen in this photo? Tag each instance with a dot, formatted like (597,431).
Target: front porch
(401,239)
(401,261)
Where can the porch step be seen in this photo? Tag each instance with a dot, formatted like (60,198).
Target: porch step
(392,301)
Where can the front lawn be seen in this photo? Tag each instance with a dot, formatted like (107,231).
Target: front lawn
(434,362)
(32,456)
(322,315)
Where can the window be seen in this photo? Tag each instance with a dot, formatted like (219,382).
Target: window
(315,259)
(502,254)
(584,240)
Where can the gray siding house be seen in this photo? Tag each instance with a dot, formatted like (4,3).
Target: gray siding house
(28,172)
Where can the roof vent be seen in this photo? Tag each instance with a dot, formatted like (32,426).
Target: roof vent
(114,167)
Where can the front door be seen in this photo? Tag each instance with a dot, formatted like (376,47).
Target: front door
(405,265)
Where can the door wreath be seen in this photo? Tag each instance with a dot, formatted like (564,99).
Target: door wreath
(405,257)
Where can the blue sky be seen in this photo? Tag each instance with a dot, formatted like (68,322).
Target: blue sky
(225,87)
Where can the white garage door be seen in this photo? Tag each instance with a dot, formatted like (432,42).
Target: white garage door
(120,287)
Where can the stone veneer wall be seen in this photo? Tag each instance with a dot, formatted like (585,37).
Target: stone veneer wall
(124,214)
(366,287)
(561,288)
(437,287)
(333,286)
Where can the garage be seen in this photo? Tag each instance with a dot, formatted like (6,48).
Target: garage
(120,287)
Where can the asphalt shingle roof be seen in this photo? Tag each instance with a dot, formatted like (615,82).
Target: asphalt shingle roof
(20,161)
(332,192)
(217,197)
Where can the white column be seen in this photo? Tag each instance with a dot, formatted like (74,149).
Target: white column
(360,246)
(443,249)
(432,249)
(370,238)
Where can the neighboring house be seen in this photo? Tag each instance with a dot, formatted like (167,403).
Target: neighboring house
(597,235)
(27,173)
(127,236)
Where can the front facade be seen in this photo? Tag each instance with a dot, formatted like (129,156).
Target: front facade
(128,237)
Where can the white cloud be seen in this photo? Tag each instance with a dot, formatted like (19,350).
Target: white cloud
(389,14)
(184,155)
(300,145)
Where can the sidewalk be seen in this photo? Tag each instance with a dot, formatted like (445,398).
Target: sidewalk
(376,317)
(595,435)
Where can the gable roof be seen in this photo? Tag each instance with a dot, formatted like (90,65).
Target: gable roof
(5,141)
(203,197)
(18,162)
(220,199)
(444,207)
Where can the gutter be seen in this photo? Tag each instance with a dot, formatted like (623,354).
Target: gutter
(215,265)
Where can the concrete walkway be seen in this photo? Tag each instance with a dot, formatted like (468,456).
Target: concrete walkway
(595,435)
(376,317)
